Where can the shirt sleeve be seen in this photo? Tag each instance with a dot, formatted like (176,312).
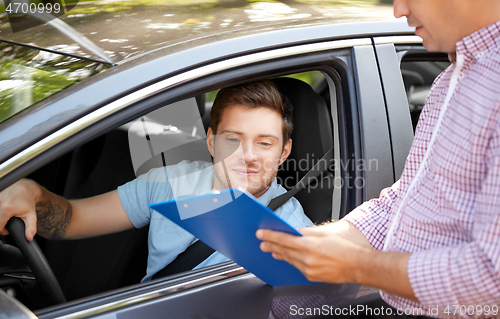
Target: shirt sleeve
(371,217)
(469,273)
(137,194)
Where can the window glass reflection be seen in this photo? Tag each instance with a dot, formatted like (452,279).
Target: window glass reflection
(28,76)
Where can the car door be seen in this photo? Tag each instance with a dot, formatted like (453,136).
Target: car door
(364,142)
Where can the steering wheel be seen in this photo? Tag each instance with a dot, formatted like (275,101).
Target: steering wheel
(36,261)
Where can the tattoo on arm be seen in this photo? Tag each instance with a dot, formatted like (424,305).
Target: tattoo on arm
(53,219)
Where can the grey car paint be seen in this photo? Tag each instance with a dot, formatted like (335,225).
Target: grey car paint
(53,113)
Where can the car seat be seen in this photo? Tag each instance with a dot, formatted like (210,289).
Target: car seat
(89,266)
(312,137)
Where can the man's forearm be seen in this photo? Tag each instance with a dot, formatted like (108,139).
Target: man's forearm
(53,215)
(338,252)
(346,230)
(384,270)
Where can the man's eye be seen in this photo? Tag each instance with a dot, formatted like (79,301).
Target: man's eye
(232,139)
(265,144)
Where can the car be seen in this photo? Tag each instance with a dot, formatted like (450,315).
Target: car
(109,90)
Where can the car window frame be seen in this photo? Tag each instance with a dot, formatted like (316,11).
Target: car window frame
(191,83)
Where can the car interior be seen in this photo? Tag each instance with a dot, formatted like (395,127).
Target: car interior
(91,266)
(418,77)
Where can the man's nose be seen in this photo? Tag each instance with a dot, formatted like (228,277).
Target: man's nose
(401,8)
(249,152)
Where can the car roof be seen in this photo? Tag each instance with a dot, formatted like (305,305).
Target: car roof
(125,30)
(54,112)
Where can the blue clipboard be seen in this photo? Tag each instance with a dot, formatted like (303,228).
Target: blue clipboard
(227,222)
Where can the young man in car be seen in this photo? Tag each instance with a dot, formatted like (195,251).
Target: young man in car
(249,137)
(432,240)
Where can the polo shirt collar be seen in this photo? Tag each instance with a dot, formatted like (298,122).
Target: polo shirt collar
(269,194)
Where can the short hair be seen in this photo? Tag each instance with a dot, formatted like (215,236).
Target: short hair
(262,93)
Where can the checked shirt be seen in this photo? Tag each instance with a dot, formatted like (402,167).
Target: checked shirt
(450,220)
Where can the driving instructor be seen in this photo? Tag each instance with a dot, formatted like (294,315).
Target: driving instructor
(248,138)
(431,240)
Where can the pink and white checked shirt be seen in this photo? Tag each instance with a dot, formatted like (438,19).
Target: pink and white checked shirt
(450,221)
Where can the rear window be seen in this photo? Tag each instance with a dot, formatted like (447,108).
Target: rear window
(28,76)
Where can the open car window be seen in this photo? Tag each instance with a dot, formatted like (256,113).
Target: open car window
(167,137)
(325,118)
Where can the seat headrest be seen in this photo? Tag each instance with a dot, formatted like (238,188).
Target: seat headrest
(312,134)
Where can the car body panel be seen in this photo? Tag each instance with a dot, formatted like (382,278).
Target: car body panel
(82,98)
(376,159)
(397,106)
(238,292)
(66,107)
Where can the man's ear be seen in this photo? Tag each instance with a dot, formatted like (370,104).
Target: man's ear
(210,141)
(287,148)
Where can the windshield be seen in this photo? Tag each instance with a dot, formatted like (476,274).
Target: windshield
(28,75)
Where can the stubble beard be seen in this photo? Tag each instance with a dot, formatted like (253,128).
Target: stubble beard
(256,188)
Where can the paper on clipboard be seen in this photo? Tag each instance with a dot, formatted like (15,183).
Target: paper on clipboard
(228,223)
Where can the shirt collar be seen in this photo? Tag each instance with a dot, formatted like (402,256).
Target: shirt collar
(265,198)
(476,44)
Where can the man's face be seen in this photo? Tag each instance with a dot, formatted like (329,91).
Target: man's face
(248,148)
(442,23)
(434,22)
